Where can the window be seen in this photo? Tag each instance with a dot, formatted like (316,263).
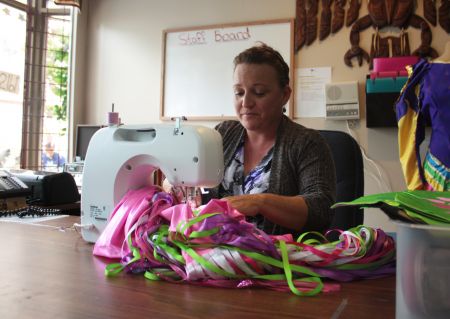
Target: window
(36,37)
(12,57)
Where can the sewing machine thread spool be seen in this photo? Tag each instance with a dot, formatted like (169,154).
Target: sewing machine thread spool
(113,117)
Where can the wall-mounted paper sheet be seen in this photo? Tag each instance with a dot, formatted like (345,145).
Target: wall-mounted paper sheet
(310,98)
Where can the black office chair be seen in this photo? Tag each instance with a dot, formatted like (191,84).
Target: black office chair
(349,177)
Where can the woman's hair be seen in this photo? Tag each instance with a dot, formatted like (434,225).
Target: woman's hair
(264,54)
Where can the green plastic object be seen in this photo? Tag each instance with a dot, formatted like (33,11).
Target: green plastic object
(417,207)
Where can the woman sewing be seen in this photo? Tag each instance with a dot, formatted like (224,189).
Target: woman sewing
(278,173)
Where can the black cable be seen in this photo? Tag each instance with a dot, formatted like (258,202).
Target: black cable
(30,211)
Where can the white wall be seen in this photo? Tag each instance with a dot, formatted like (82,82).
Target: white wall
(123,66)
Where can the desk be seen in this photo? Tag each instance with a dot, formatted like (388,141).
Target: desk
(47,272)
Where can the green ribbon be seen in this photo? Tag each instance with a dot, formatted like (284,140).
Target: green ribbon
(183,226)
(288,273)
(115,268)
(160,240)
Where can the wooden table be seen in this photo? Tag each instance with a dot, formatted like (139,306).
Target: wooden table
(49,272)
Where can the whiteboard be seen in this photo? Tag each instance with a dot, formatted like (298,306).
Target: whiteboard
(197,68)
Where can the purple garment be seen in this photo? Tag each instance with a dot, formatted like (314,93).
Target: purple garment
(434,103)
(427,93)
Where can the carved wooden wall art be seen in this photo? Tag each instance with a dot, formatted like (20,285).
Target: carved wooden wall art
(382,13)
(353,12)
(338,15)
(429,11)
(444,15)
(312,8)
(300,25)
(325,20)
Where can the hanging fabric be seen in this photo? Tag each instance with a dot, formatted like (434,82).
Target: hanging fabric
(425,100)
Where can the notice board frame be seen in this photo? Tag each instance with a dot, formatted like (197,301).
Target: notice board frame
(197,66)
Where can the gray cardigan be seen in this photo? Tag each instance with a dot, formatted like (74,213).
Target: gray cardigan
(301,165)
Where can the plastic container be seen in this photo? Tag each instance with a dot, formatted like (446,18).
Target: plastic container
(385,85)
(423,271)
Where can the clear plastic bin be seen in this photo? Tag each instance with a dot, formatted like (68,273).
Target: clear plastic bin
(423,271)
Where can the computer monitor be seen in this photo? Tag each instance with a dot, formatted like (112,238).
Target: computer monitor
(84,135)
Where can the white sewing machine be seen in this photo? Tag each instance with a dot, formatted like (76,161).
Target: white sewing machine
(120,158)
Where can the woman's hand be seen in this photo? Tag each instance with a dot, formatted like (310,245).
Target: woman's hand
(248,205)
(287,211)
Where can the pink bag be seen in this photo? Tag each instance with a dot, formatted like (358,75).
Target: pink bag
(393,64)
(392,67)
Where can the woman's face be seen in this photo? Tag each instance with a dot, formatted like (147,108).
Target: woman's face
(258,97)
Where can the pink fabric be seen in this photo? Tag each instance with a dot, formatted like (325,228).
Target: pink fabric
(277,285)
(133,205)
(149,220)
(182,212)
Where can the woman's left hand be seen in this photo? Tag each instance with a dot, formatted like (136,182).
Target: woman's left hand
(248,205)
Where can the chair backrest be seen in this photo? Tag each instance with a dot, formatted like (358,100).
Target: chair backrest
(349,177)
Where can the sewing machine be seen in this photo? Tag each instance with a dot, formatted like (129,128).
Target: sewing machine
(125,157)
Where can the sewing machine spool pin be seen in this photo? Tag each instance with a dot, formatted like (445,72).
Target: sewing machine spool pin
(178,120)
